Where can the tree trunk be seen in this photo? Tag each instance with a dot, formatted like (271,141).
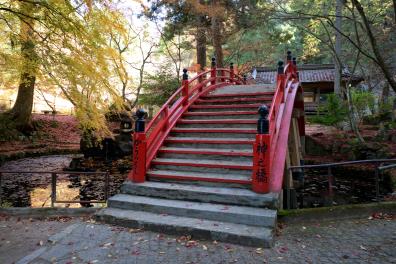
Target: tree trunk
(217,41)
(201,43)
(338,66)
(22,109)
(374,46)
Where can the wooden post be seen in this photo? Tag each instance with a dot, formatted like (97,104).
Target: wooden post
(213,72)
(53,189)
(138,172)
(231,72)
(280,79)
(185,87)
(261,154)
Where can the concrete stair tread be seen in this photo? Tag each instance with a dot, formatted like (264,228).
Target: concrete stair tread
(226,106)
(224,95)
(222,195)
(222,113)
(215,130)
(225,140)
(217,121)
(203,162)
(232,101)
(200,175)
(202,210)
(247,88)
(199,228)
(209,150)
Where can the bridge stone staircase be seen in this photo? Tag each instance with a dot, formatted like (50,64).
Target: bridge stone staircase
(200,181)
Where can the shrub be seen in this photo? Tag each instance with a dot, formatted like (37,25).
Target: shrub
(332,112)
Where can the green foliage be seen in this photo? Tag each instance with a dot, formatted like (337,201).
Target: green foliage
(363,102)
(332,112)
(158,87)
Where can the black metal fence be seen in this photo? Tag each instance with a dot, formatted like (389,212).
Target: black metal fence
(379,168)
(54,177)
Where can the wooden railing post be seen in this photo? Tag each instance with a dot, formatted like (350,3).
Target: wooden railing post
(53,189)
(185,87)
(200,80)
(138,172)
(213,72)
(232,72)
(261,154)
(280,79)
(166,118)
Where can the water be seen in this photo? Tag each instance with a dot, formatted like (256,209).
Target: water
(34,190)
(351,185)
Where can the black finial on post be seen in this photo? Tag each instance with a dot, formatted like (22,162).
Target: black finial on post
(231,66)
(263,123)
(185,75)
(213,62)
(139,123)
(289,56)
(294,61)
(244,78)
(281,69)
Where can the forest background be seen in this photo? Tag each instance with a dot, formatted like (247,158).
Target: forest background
(103,56)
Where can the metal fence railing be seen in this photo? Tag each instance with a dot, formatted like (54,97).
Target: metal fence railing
(54,177)
(379,168)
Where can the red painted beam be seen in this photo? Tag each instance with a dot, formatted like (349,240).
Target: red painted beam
(204,165)
(240,94)
(256,99)
(220,113)
(217,121)
(192,178)
(206,152)
(213,130)
(211,141)
(225,106)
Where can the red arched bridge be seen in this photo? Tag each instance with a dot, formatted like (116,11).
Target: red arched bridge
(209,163)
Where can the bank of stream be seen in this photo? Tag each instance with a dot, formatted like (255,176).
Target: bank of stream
(34,190)
(351,184)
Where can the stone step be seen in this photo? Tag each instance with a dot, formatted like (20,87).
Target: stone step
(214,132)
(204,166)
(210,211)
(231,101)
(232,179)
(221,115)
(213,154)
(237,95)
(198,228)
(243,89)
(174,191)
(219,108)
(215,143)
(213,123)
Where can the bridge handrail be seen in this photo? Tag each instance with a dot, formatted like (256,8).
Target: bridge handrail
(269,151)
(149,140)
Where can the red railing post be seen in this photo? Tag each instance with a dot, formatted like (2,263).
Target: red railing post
(166,118)
(138,172)
(280,79)
(261,154)
(200,80)
(232,72)
(213,72)
(185,87)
